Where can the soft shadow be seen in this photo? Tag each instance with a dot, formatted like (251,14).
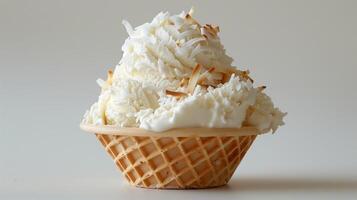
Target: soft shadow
(290,184)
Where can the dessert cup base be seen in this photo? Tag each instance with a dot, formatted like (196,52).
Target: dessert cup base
(176,162)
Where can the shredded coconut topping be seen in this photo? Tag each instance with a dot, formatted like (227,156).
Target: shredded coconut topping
(175,73)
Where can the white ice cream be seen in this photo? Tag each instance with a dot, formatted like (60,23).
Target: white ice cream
(157,56)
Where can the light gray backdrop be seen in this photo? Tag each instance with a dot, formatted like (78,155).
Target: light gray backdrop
(51,53)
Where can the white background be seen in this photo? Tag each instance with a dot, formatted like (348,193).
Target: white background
(51,53)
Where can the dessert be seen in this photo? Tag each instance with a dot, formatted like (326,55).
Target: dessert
(175,113)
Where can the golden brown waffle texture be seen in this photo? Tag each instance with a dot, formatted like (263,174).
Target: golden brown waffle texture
(176,162)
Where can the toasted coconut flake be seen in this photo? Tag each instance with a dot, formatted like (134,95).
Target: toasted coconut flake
(211,69)
(261,88)
(189,18)
(203,77)
(233,71)
(194,79)
(225,77)
(216,28)
(244,75)
(209,32)
(217,82)
(201,81)
(176,94)
(196,69)
(204,86)
(208,28)
(110,77)
(184,82)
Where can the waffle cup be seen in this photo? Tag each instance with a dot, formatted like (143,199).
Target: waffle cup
(176,159)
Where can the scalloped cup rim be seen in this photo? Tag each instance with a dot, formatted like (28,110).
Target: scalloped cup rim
(176,132)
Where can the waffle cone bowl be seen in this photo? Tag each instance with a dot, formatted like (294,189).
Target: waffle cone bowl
(181,158)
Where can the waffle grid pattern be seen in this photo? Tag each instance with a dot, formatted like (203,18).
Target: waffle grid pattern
(176,162)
